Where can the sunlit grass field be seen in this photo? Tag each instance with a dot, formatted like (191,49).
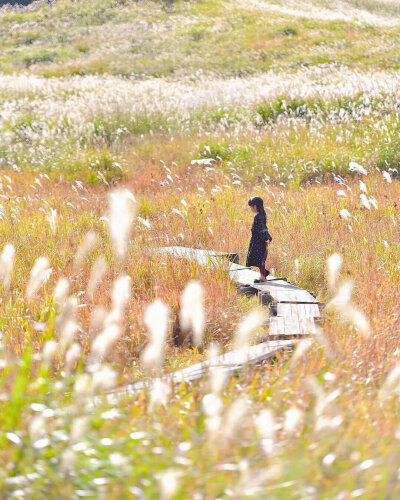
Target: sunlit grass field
(126,126)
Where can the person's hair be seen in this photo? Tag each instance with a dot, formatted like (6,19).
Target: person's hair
(258,202)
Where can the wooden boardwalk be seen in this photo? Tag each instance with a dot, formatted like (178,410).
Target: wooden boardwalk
(292,310)
(292,315)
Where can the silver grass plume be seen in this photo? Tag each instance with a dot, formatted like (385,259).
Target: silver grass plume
(61,292)
(247,327)
(122,211)
(334,265)
(341,301)
(191,314)
(84,249)
(6,265)
(97,273)
(156,319)
(40,273)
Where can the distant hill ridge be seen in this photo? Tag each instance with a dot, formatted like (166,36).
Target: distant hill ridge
(16,2)
(6,5)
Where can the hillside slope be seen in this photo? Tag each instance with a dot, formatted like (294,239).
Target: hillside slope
(160,38)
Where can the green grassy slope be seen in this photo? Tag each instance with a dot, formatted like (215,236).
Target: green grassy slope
(162,39)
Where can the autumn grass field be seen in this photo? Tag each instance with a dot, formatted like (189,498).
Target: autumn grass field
(126,126)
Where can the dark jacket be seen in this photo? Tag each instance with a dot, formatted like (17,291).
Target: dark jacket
(258,248)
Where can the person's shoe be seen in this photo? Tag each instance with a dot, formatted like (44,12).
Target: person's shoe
(260,281)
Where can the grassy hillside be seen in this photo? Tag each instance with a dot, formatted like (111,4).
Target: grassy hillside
(164,39)
(135,125)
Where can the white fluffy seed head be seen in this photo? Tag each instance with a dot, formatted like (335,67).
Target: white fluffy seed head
(357,318)
(68,458)
(156,319)
(82,385)
(160,393)
(72,356)
(334,263)
(391,386)
(387,176)
(102,344)
(6,265)
(363,187)
(343,294)
(103,379)
(365,202)
(345,214)
(218,376)
(97,322)
(247,327)
(78,429)
(40,273)
(67,333)
(52,220)
(265,423)
(37,428)
(97,273)
(212,405)
(235,417)
(49,351)
(169,483)
(266,427)
(121,293)
(61,292)
(84,249)
(356,167)
(191,315)
(293,418)
(122,211)
(302,348)
(66,322)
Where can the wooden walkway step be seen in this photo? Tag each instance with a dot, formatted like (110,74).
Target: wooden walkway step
(230,363)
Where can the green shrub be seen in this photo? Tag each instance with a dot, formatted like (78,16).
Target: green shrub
(40,57)
(269,111)
(219,151)
(289,31)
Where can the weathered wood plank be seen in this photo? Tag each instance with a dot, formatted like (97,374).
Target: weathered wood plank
(229,362)
(284,310)
(277,325)
(282,291)
(292,326)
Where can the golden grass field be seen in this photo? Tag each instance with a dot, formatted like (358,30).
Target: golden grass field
(126,126)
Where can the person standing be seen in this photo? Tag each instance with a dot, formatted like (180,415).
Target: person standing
(260,239)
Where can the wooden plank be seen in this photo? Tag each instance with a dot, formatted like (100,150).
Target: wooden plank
(287,326)
(292,326)
(277,325)
(284,310)
(312,311)
(308,326)
(283,291)
(229,362)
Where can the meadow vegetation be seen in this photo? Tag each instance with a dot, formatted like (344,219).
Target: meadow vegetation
(126,126)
